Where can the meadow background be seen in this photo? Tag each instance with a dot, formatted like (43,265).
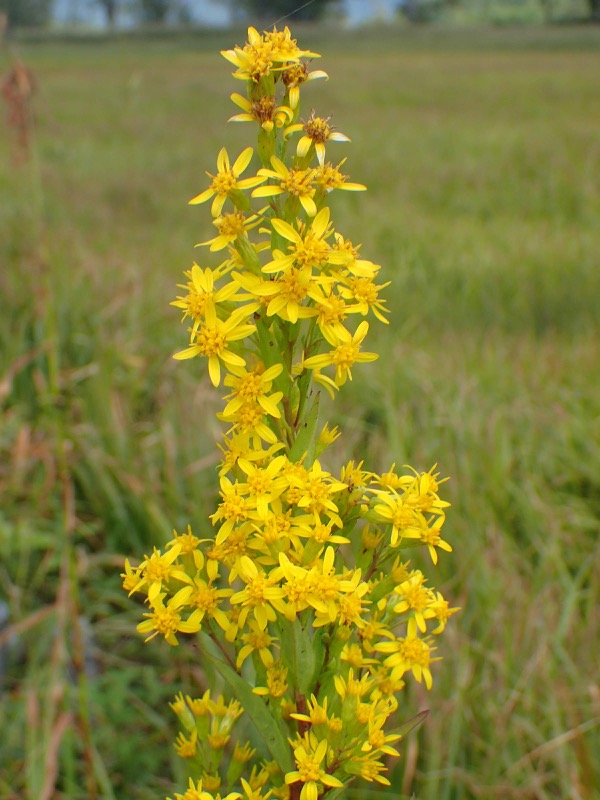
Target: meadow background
(481,151)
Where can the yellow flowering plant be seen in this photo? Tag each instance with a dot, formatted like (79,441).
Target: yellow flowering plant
(300,598)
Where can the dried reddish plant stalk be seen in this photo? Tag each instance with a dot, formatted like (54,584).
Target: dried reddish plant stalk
(18,89)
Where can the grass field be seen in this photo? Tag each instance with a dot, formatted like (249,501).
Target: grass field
(481,153)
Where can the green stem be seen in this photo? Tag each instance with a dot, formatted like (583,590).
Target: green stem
(221,647)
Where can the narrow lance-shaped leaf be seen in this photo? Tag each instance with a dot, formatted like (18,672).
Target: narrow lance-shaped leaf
(411,724)
(306,440)
(305,657)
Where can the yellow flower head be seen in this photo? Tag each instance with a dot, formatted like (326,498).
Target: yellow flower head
(262,54)
(166,619)
(243,753)
(308,246)
(230,227)
(157,570)
(309,756)
(202,296)
(292,181)
(131,577)
(263,110)
(260,595)
(294,76)
(187,542)
(345,354)
(211,782)
(212,338)
(256,641)
(253,386)
(225,183)
(327,178)
(277,684)
(409,654)
(317,132)
(196,791)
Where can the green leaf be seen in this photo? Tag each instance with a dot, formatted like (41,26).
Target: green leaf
(411,724)
(338,792)
(305,658)
(272,350)
(266,723)
(285,629)
(266,342)
(318,655)
(306,439)
(282,340)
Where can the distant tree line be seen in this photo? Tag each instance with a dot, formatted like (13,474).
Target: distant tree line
(38,13)
(27,13)
(275,9)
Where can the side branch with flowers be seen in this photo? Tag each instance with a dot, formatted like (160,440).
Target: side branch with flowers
(300,597)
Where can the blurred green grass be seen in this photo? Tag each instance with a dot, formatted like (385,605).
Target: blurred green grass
(481,154)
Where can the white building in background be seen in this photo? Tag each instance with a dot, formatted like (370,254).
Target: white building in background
(212,13)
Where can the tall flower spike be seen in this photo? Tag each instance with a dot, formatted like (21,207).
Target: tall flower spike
(297,595)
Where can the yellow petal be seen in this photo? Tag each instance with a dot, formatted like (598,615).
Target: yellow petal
(190,352)
(285,229)
(242,102)
(201,198)
(242,161)
(320,222)
(267,191)
(222,160)
(308,204)
(303,146)
(214,370)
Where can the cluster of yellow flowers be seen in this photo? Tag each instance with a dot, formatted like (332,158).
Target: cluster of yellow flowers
(300,598)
